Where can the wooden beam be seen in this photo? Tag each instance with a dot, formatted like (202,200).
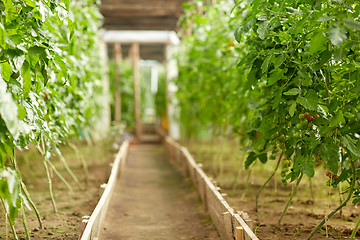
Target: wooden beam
(118,58)
(110,11)
(135,50)
(142,23)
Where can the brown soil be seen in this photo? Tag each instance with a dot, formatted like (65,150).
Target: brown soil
(66,223)
(153,201)
(224,162)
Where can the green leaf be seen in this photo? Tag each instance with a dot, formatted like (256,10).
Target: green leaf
(44,73)
(262,157)
(351,24)
(339,53)
(339,118)
(6,71)
(263,29)
(308,167)
(62,65)
(310,101)
(8,4)
(21,112)
(25,73)
(250,159)
(304,164)
(2,36)
(275,75)
(323,58)
(8,110)
(330,153)
(277,99)
(71,27)
(251,77)
(67,4)
(292,109)
(326,18)
(292,92)
(16,62)
(349,143)
(30,3)
(337,35)
(238,34)
(265,64)
(318,43)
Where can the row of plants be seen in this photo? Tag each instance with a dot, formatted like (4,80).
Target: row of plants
(288,87)
(50,85)
(126,89)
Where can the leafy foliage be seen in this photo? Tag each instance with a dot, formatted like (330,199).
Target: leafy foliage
(50,80)
(126,89)
(209,83)
(303,57)
(296,88)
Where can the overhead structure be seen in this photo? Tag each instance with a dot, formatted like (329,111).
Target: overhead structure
(152,43)
(140,29)
(141,14)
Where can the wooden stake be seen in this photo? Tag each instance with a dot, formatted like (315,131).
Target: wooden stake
(205,200)
(136,59)
(247,219)
(228,225)
(239,233)
(118,58)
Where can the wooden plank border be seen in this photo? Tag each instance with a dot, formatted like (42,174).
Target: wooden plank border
(229,224)
(94,224)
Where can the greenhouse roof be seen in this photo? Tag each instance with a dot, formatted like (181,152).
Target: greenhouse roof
(141,14)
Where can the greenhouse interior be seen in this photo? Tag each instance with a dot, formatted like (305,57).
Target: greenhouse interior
(179,119)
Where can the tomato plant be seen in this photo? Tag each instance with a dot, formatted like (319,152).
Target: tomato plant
(304,59)
(295,91)
(50,83)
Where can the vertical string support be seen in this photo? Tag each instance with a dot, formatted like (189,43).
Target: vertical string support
(118,59)
(135,50)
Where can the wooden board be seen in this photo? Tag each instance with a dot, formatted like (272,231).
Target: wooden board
(93,226)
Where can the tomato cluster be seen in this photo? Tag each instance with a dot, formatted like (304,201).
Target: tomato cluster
(306,115)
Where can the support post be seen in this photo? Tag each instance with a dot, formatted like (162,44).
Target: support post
(136,59)
(118,59)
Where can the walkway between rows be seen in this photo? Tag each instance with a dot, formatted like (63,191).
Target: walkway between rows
(153,201)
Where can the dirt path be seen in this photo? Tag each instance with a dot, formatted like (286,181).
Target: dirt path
(153,201)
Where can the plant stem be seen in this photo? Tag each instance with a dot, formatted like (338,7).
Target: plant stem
(290,199)
(351,190)
(64,162)
(266,182)
(311,190)
(9,220)
(27,195)
(353,234)
(61,177)
(50,185)
(81,157)
(24,222)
